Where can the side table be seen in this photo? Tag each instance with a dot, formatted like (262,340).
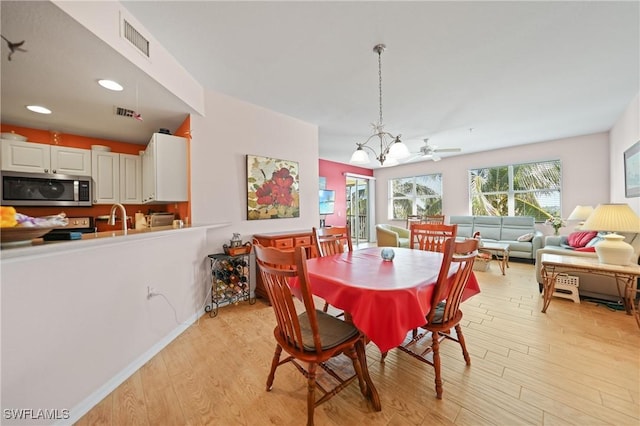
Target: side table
(500,251)
(626,277)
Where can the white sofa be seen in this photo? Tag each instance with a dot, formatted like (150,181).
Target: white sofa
(502,229)
(590,285)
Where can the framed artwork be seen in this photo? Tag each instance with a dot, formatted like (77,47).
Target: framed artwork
(632,171)
(272,188)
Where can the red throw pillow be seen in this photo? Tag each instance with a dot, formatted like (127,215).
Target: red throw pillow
(580,239)
(585,249)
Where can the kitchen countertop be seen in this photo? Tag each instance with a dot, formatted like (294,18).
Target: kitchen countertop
(39,247)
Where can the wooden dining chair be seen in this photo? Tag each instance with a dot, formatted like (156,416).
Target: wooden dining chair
(445,313)
(413,218)
(333,240)
(435,218)
(311,336)
(431,236)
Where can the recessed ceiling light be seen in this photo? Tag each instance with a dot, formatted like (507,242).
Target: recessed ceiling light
(111,85)
(39,109)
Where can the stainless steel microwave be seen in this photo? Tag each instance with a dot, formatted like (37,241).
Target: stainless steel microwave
(35,189)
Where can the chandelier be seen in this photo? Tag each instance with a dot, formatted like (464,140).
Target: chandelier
(391,147)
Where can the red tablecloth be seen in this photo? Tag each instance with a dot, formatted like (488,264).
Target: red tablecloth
(385,299)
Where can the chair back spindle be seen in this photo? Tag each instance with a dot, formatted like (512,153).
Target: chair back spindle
(430,236)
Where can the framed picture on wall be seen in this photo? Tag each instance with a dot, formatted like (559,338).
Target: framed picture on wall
(272,188)
(632,171)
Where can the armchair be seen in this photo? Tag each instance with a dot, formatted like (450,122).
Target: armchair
(392,236)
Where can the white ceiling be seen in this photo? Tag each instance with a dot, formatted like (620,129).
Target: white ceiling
(514,72)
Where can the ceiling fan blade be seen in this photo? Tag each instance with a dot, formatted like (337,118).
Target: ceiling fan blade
(447,149)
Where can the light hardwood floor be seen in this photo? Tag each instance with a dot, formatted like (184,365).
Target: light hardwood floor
(576,364)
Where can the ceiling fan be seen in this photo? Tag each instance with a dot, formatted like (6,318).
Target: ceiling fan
(429,152)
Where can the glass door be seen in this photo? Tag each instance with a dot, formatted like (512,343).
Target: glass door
(359,207)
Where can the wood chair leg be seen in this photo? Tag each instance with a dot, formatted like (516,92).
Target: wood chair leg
(274,364)
(311,392)
(436,363)
(465,354)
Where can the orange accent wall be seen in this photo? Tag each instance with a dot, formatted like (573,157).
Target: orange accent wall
(182,210)
(73,141)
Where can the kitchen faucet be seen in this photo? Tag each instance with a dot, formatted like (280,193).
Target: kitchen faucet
(112,216)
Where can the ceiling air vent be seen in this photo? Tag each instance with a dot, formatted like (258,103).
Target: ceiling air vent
(135,38)
(123,112)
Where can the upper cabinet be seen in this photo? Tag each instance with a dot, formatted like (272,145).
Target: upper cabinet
(33,157)
(117,178)
(164,170)
(106,177)
(130,179)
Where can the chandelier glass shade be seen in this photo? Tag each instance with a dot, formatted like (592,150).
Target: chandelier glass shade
(391,147)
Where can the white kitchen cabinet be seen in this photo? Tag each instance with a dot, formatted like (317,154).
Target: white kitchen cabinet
(164,170)
(31,157)
(105,171)
(117,178)
(70,161)
(130,179)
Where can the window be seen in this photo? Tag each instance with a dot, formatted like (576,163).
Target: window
(421,195)
(531,189)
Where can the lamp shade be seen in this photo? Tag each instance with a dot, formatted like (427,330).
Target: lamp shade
(613,218)
(398,150)
(359,156)
(580,213)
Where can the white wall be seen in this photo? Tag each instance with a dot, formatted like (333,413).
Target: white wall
(221,140)
(622,136)
(585,173)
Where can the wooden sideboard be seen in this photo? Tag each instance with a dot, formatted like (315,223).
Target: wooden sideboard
(283,241)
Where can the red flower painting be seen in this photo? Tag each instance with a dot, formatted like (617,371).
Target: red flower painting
(272,188)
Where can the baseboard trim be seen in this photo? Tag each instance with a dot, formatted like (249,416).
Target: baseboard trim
(92,400)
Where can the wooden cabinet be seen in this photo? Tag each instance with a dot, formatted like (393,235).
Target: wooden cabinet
(282,241)
(164,170)
(31,157)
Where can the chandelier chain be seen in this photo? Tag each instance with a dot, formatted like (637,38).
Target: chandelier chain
(390,146)
(380,83)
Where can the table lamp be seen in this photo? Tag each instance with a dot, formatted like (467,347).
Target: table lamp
(580,213)
(613,218)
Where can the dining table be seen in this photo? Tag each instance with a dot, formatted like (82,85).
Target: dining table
(384,299)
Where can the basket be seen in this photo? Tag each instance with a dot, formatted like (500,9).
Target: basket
(482,262)
(237,251)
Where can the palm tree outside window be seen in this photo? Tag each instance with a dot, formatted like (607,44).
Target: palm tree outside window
(415,195)
(530,189)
